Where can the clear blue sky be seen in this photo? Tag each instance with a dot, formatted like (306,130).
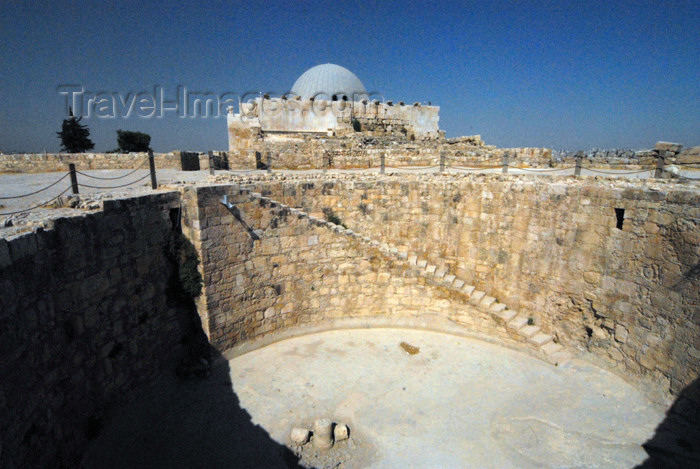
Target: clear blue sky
(562,74)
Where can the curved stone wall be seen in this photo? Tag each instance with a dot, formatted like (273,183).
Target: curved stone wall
(609,267)
(273,272)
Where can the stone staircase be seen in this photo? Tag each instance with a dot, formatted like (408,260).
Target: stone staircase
(516,322)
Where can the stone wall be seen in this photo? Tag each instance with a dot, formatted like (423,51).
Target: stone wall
(629,294)
(328,117)
(85,323)
(48,162)
(317,152)
(274,270)
(674,154)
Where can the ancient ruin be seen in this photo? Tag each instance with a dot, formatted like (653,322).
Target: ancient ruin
(415,299)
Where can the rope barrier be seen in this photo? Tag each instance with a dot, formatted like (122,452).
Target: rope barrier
(115,187)
(534,170)
(36,206)
(472,168)
(36,192)
(403,168)
(114,178)
(618,173)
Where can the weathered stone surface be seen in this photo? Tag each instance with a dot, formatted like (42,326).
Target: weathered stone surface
(86,325)
(341,432)
(299,436)
(668,146)
(323,434)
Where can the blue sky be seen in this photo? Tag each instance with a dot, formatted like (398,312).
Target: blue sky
(561,74)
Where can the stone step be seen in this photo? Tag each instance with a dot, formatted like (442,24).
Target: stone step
(540,339)
(506,315)
(487,301)
(529,331)
(476,297)
(545,342)
(517,322)
(551,348)
(561,356)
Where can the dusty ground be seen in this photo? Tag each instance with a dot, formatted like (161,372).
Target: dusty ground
(456,403)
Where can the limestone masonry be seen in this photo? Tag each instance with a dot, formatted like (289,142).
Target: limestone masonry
(603,269)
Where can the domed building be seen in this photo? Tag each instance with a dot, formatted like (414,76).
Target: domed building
(332,101)
(330,81)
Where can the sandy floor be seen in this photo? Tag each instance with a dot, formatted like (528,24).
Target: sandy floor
(457,403)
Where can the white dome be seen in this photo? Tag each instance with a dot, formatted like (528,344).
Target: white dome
(329,80)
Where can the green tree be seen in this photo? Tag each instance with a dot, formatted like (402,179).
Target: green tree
(133,141)
(74,136)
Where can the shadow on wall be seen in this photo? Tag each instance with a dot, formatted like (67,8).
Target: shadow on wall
(191,418)
(676,442)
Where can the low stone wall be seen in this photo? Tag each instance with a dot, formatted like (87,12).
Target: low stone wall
(85,323)
(48,162)
(674,154)
(314,152)
(629,294)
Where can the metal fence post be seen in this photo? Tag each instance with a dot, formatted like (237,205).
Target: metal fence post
(73,178)
(505,163)
(269,161)
(579,159)
(210,155)
(382,166)
(660,164)
(152,168)
(442,162)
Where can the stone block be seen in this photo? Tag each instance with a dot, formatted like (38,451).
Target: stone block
(476,297)
(458,284)
(440,273)
(668,146)
(620,333)
(551,348)
(540,339)
(487,301)
(448,279)
(517,322)
(421,264)
(529,331)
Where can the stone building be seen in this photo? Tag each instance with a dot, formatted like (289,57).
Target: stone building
(328,100)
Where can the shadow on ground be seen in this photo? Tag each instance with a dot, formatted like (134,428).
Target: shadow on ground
(676,441)
(186,421)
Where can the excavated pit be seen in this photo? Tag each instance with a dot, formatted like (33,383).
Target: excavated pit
(459,403)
